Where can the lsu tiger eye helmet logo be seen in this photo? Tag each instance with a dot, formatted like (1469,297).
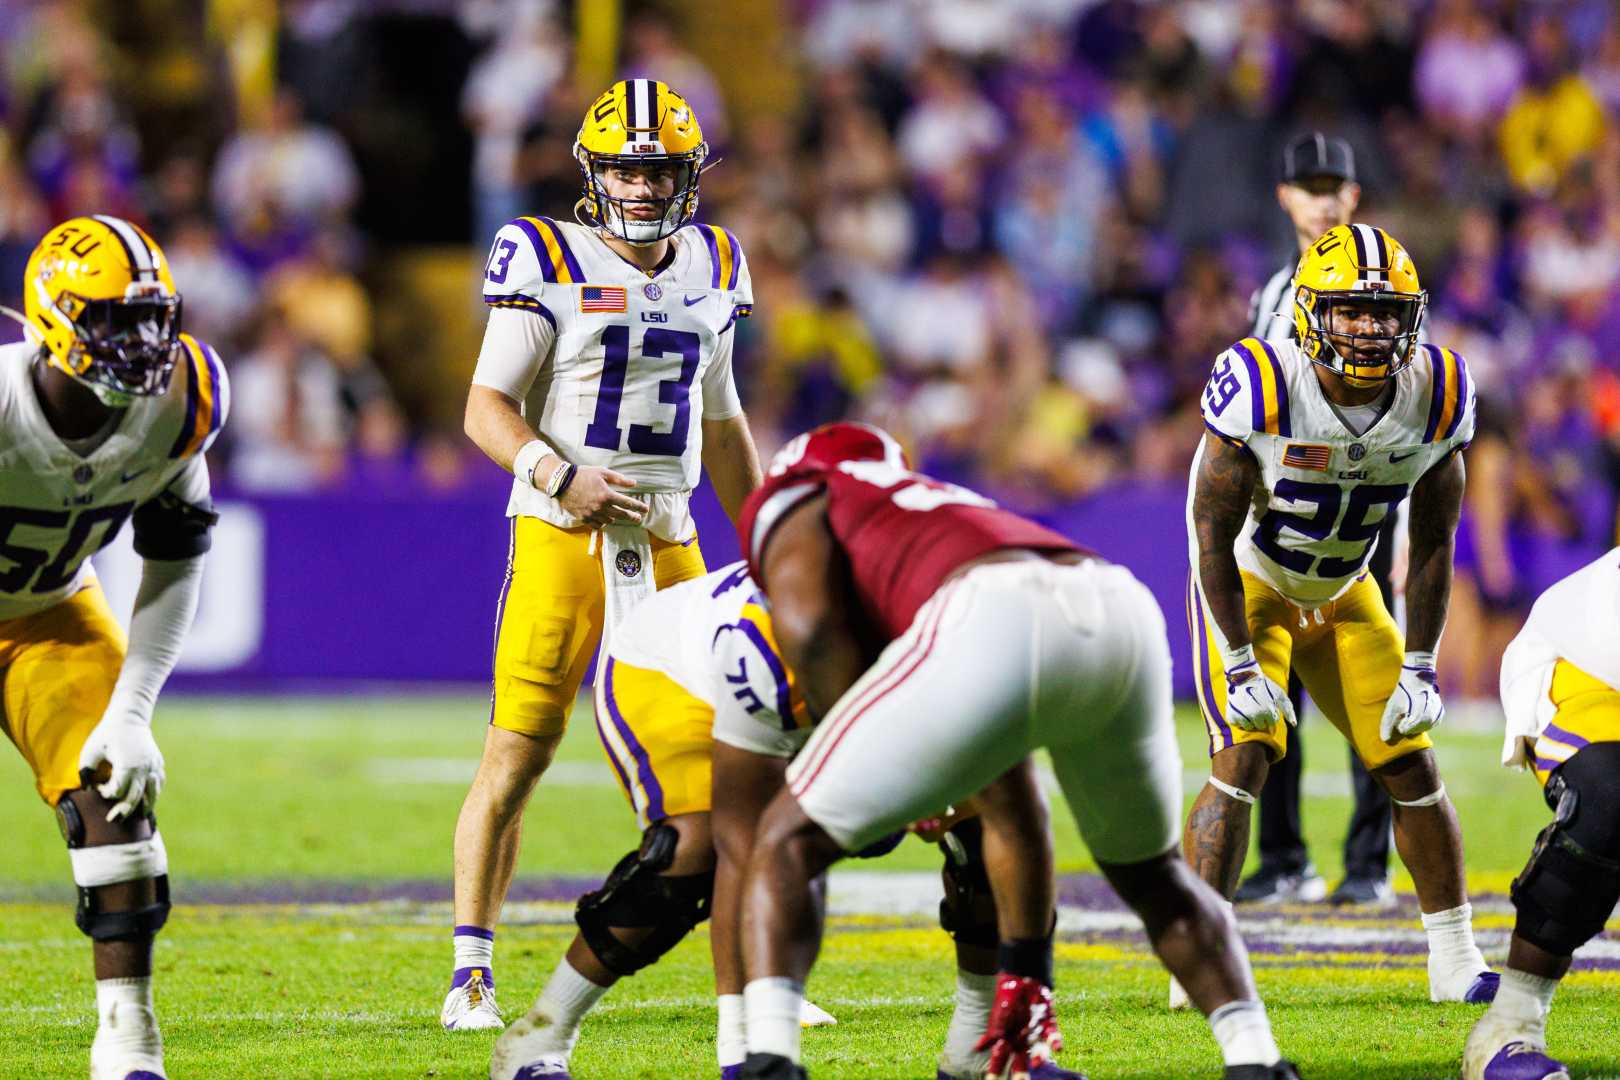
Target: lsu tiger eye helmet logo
(640,125)
(1358,276)
(99,300)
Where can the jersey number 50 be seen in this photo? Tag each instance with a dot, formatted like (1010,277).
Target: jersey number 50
(604,432)
(1355,528)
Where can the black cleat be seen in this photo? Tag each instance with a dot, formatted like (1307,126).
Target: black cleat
(771,1067)
(1282,885)
(1359,889)
(1283,1070)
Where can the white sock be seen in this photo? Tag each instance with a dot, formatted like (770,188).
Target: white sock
(975,994)
(731,1040)
(1451,939)
(568,996)
(1524,999)
(127,1023)
(1244,1033)
(773,1016)
(475,951)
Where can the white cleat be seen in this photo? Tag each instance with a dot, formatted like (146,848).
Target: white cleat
(1178,997)
(1514,1048)
(529,1050)
(1472,983)
(128,1045)
(471,1007)
(813,1015)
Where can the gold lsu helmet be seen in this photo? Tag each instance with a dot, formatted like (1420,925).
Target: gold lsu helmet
(640,123)
(99,300)
(1361,265)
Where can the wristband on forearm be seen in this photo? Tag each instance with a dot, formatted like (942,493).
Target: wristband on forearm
(528,458)
(1232,659)
(1418,661)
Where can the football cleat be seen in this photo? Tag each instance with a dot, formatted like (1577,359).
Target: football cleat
(1502,1049)
(1375,891)
(1283,1070)
(127,1046)
(771,1067)
(543,1070)
(1470,988)
(1046,1070)
(1282,885)
(731,1072)
(813,1015)
(471,1007)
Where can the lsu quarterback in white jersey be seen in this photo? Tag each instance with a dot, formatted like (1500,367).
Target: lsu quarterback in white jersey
(106,411)
(1310,444)
(1561,692)
(605,386)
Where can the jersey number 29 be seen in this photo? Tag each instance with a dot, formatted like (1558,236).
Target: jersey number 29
(604,432)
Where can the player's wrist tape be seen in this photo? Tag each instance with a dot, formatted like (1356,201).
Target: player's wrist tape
(561,479)
(528,457)
(1232,659)
(1027,957)
(1233,792)
(1419,660)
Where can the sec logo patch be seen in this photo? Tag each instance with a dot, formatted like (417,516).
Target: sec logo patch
(628,563)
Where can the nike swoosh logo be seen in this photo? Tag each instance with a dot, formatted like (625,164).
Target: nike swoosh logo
(128,476)
(690,300)
(1393,458)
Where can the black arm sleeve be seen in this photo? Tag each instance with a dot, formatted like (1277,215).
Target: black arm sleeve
(169,528)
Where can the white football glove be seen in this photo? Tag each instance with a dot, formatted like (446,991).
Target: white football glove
(1415,706)
(1253,701)
(125,743)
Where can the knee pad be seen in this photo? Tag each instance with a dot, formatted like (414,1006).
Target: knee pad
(95,867)
(638,896)
(1569,887)
(968,912)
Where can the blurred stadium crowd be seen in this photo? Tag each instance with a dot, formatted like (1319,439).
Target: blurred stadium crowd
(1015,232)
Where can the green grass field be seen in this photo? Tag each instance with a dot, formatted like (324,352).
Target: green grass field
(310,846)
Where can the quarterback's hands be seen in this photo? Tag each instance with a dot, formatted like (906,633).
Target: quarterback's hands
(1415,706)
(1253,701)
(594,498)
(125,745)
(1022,1034)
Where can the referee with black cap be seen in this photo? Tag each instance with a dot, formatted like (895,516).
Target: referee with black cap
(1318,192)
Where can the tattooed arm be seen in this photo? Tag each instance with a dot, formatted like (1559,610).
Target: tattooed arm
(1432,530)
(1227,474)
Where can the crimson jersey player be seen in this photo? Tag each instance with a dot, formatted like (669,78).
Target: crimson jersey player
(941,641)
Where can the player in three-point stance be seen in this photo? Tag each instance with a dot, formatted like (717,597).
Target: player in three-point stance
(1561,693)
(942,640)
(105,413)
(604,384)
(1310,444)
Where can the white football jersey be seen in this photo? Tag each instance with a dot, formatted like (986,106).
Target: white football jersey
(1577,619)
(631,362)
(58,508)
(712,635)
(1314,518)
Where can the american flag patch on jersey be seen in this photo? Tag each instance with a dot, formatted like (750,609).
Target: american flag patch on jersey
(599,298)
(1305,456)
